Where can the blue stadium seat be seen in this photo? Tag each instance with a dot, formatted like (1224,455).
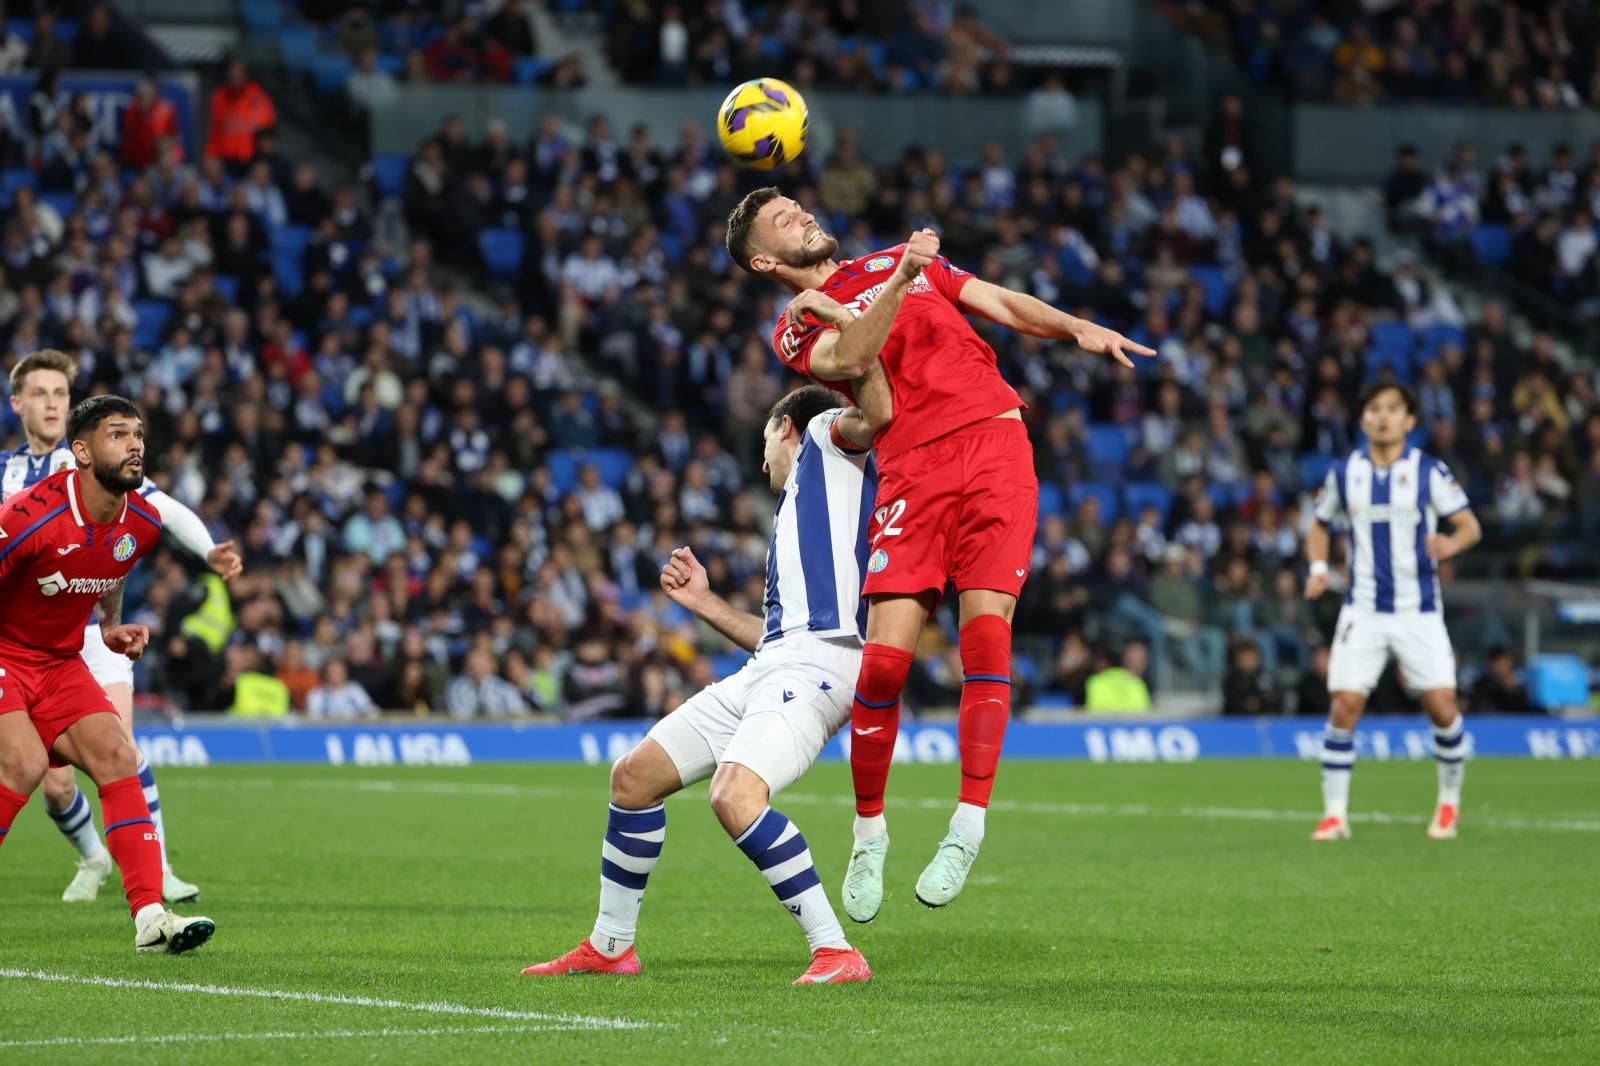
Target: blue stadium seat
(1051,500)
(1492,243)
(297,48)
(728,663)
(227,287)
(530,69)
(1434,339)
(391,64)
(1106,494)
(291,239)
(1380,359)
(614,464)
(502,251)
(14,178)
(261,16)
(1217,287)
(289,267)
(1558,681)
(330,71)
(153,316)
(1314,467)
(63,202)
(1137,495)
(563,466)
(389,175)
(1393,337)
(1108,450)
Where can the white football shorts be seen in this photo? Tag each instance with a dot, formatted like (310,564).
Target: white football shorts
(1363,641)
(107,666)
(774,716)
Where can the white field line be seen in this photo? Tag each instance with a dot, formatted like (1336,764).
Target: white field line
(568,1021)
(1087,810)
(329,1034)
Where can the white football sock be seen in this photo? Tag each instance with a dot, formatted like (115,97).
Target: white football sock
(867,828)
(77,825)
(1338,763)
(969,819)
(631,849)
(1449,754)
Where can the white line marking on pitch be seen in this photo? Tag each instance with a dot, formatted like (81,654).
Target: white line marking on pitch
(330,1034)
(1090,810)
(575,1021)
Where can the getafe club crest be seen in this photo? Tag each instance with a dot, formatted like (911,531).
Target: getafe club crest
(122,550)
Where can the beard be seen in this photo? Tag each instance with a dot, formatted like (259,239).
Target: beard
(811,254)
(116,477)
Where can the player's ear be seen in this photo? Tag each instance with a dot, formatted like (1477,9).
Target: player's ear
(762,263)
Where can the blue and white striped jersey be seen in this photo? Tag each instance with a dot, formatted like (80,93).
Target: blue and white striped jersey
(817,558)
(23,469)
(1391,511)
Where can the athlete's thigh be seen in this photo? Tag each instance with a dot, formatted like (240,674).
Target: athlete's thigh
(993,543)
(22,753)
(919,501)
(72,701)
(696,734)
(1421,644)
(1359,652)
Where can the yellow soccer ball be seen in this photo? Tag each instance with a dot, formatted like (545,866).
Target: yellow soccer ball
(762,124)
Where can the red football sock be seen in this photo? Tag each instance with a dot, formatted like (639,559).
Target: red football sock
(985,703)
(131,839)
(10,803)
(875,722)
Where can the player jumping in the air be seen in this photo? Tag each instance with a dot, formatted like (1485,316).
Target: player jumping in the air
(66,547)
(41,395)
(756,732)
(1393,496)
(957,502)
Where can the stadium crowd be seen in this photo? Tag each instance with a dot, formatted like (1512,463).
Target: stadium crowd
(442,510)
(1543,55)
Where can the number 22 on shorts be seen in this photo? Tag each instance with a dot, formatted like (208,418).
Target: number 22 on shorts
(887,517)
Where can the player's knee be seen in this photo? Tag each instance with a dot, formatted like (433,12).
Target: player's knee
(112,760)
(986,646)
(21,771)
(883,670)
(1345,709)
(629,784)
(737,795)
(59,787)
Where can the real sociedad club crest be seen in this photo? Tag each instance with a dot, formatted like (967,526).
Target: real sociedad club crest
(878,262)
(122,550)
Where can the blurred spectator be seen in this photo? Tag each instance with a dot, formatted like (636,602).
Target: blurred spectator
(1499,690)
(148,120)
(479,692)
(240,111)
(96,48)
(1312,696)
(1247,688)
(1120,689)
(47,51)
(339,698)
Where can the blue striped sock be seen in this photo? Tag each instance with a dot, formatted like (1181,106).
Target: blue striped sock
(631,849)
(152,796)
(77,825)
(1449,755)
(779,851)
(1338,761)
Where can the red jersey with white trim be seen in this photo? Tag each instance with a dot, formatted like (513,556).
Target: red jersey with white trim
(941,373)
(55,564)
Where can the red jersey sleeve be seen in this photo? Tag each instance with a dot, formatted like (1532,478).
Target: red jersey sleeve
(18,540)
(948,278)
(793,344)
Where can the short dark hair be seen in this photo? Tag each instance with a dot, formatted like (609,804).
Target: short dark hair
(1378,388)
(804,404)
(87,416)
(742,223)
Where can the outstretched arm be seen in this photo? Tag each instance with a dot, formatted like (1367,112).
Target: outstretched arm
(1028,314)
(189,529)
(684,579)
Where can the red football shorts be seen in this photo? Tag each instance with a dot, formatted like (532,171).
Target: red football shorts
(55,693)
(961,508)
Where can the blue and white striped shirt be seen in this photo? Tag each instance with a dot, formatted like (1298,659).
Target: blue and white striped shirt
(1391,511)
(817,558)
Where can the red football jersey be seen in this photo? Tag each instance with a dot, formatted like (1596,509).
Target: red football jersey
(941,373)
(55,564)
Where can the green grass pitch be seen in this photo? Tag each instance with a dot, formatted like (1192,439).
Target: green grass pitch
(1150,913)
